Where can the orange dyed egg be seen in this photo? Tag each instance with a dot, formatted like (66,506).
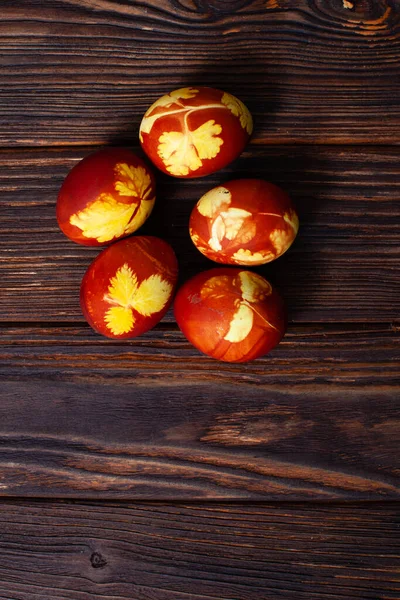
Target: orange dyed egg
(106,196)
(128,288)
(195,131)
(244,222)
(232,315)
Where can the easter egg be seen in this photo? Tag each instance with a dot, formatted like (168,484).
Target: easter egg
(106,196)
(244,222)
(129,286)
(232,315)
(195,131)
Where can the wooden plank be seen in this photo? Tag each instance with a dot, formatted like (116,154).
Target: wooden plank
(356,355)
(344,266)
(78,72)
(85,417)
(74,551)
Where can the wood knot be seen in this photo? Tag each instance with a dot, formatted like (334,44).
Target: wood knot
(254,427)
(221,6)
(97,561)
(363,17)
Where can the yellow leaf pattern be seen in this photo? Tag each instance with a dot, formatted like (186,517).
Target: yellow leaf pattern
(123,286)
(233,221)
(195,237)
(217,234)
(293,220)
(197,241)
(241,324)
(119,320)
(175,96)
(184,152)
(177,153)
(243,256)
(125,296)
(104,219)
(215,287)
(240,110)
(133,181)
(142,213)
(227,225)
(229,222)
(211,201)
(254,288)
(152,295)
(164,102)
(205,139)
(281,240)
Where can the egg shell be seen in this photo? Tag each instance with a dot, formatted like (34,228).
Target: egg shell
(106,196)
(244,222)
(195,131)
(129,286)
(232,315)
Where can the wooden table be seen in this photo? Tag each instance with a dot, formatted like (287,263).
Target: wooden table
(143,470)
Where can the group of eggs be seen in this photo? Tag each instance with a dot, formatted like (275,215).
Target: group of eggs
(231,314)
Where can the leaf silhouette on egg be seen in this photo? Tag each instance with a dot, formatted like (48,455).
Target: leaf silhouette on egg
(246,291)
(241,324)
(211,201)
(184,152)
(247,257)
(167,101)
(126,295)
(254,288)
(280,240)
(132,181)
(174,97)
(215,289)
(152,295)
(293,220)
(233,224)
(106,218)
(240,110)
(119,320)
(227,222)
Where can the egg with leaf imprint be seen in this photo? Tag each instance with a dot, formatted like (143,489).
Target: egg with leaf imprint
(106,196)
(244,222)
(129,286)
(195,131)
(232,315)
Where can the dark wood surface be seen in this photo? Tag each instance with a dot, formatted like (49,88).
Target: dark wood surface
(316,421)
(84,71)
(75,551)
(317,418)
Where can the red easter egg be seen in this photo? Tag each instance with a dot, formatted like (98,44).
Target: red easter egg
(244,222)
(106,196)
(195,131)
(129,286)
(232,315)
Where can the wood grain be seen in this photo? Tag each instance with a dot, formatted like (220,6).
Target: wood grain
(86,417)
(74,551)
(78,72)
(317,420)
(344,266)
(357,355)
